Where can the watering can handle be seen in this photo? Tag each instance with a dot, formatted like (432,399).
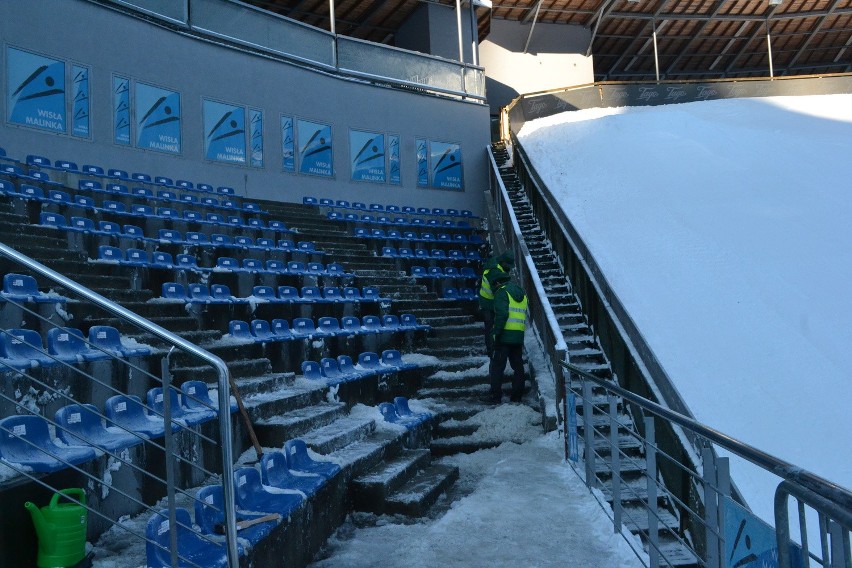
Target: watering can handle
(79,494)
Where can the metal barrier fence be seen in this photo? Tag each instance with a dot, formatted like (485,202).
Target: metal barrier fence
(190,456)
(724,524)
(278,36)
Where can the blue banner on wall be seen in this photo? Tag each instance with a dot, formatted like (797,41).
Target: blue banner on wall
(157,119)
(80,105)
(393,159)
(573,440)
(121,109)
(35,90)
(446,166)
(315,156)
(750,542)
(422,163)
(367,156)
(224,132)
(288,144)
(256,137)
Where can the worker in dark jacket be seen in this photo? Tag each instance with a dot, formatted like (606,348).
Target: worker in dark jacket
(495,265)
(510,316)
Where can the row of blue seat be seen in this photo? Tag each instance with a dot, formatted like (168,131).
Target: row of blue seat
(67,166)
(434,254)
(463,294)
(221,294)
(399,221)
(171,236)
(23,348)
(140,210)
(81,431)
(443,272)
(398,412)
(256,494)
(163,260)
(343,370)
(262,331)
(379,208)
(411,236)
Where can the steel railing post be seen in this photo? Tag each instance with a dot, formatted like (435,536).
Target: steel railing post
(588,434)
(723,483)
(615,463)
(651,478)
(711,530)
(170,450)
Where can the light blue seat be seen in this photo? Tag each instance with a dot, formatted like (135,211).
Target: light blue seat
(25,441)
(192,549)
(82,425)
(299,460)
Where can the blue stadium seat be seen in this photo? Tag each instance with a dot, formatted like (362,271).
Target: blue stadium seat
(265,294)
(192,550)
(351,325)
(174,291)
(371,294)
(109,339)
(388,411)
(142,192)
(335,216)
(252,496)
(204,187)
(331,372)
(262,332)
(392,208)
(24,288)
(332,294)
(240,330)
(348,369)
(196,238)
(370,361)
(275,472)
(184,184)
(196,400)
(157,405)
(52,221)
(405,252)
(192,216)
(66,166)
(209,514)
(281,227)
(162,260)
(312,295)
(336,269)
(67,345)
(140,177)
(404,412)
(264,243)
(409,322)
(310,201)
(187,262)
(330,327)
(162,180)
(419,272)
(393,358)
(136,257)
(451,272)
(352,294)
(253,265)
(286,245)
(299,460)
(303,328)
(23,349)
(221,292)
(296,267)
(133,231)
(189,199)
(289,294)
(170,236)
(389,252)
(472,255)
(117,188)
(451,294)
(311,371)
(372,324)
(358,205)
(315,269)
(390,322)
(435,272)
(281,330)
(200,294)
(25,441)
(82,425)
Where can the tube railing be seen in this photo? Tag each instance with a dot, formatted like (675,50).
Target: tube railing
(832,502)
(173,340)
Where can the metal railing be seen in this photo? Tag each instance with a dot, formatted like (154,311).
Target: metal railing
(277,36)
(719,543)
(170,484)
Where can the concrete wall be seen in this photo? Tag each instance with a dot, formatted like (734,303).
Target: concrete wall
(433,29)
(110,42)
(555,58)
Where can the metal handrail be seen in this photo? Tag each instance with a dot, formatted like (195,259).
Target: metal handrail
(835,493)
(177,341)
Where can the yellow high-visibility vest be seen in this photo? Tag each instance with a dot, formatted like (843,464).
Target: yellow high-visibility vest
(517,320)
(485,286)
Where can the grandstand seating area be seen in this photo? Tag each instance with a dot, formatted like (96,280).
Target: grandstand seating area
(313,307)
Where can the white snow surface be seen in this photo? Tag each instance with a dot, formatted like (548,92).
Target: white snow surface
(723,227)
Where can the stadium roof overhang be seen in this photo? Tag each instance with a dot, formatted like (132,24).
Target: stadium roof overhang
(695,39)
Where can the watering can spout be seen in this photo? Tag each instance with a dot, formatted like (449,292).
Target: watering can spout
(42,527)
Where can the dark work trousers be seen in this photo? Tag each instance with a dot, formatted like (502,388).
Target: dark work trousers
(514,353)
(488,318)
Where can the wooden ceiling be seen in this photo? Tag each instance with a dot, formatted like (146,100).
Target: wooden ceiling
(696,39)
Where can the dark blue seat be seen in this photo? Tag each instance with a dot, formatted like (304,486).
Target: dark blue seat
(66,166)
(196,238)
(372,324)
(275,472)
(296,267)
(157,406)
(303,328)
(82,425)
(390,322)
(162,180)
(162,260)
(351,325)
(404,412)
(210,513)
(332,294)
(312,294)
(370,361)
(197,404)
(240,330)
(221,292)
(184,184)
(262,332)
(467,294)
(109,339)
(393,359)
(24,288)
(451,294)
(204,187)
(200,294)
(192,549)
(348,368)
(142,192)
(330,327)
(188,262)
(310,200)
(289,294)
(336,269)
(252,496)
(299,460)
(331,372)
(174,291)
(25,441)
(409,322)
(140,177)
(22,349)
(67,345)
(265,294)
(52,221)
(371,294)
(352,294)
(281,329)
(389,413)
(311,371)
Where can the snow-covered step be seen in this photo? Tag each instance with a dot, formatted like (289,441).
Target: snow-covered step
(371,489)
(276,429)
(339,434)
(416,496)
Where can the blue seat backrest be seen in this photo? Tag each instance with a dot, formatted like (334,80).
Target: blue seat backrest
(239,329)
(173,290)
(311,370)
(281,327)
(221,292)
(368,360)
(261,329)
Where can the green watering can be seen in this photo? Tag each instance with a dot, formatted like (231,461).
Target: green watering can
(61,530)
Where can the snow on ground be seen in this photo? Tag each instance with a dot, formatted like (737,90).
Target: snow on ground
(524,506)
(723,227)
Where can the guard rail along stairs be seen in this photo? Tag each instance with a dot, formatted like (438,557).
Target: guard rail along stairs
(655,466)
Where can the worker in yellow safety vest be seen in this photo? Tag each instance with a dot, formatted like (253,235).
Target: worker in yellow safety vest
(510,317)
(495,265)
